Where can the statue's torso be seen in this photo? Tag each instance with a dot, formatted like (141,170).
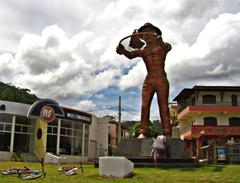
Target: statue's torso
(154,58)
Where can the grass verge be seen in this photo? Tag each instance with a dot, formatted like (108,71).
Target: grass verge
(209,173)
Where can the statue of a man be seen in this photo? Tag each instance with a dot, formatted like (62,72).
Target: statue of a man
(154,55)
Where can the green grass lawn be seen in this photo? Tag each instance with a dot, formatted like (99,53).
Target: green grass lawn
(210,173)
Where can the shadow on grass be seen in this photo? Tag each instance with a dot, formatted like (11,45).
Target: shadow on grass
(218,168)
(189,169)
(184,169)
(214,168)
(113,177)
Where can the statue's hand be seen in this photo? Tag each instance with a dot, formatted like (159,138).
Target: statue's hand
(135,31)
(169,47)
(120,49)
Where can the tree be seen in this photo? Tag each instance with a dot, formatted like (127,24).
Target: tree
(153,127)
(11,93)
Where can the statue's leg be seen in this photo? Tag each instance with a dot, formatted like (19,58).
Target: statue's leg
(147,95)
(162,97)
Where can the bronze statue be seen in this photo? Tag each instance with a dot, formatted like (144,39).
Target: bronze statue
(154,54)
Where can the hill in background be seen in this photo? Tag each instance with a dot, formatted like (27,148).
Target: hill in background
(9,92)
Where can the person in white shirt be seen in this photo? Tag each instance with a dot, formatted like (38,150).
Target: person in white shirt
(158,146)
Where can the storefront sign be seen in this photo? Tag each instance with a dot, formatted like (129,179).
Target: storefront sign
(77,115)
(47,114)
(46,109)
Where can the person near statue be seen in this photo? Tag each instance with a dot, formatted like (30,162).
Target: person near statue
(154,55)
(159,146)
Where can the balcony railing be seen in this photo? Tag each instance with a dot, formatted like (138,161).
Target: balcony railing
(225,130)
(197,103)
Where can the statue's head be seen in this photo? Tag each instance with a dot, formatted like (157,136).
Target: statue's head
(149,25)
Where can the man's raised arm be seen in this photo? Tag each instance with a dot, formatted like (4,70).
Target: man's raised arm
(129,54)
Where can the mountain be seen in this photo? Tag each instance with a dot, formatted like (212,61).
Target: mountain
(9,92)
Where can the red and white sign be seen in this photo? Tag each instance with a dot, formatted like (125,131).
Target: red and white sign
(47,114)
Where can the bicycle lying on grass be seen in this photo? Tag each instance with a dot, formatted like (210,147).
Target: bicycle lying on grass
(70,170)
(31,174)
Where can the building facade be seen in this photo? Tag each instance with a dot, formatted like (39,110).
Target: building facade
(208,115)
(47,127)
(23,130)
(113,135)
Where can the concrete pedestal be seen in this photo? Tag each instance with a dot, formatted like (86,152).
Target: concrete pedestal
(142,148)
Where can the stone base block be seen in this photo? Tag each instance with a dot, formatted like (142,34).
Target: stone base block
(176,148)
(116,167)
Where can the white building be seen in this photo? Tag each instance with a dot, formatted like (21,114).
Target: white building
(71,133)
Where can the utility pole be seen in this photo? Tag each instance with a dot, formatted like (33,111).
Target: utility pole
(119,119)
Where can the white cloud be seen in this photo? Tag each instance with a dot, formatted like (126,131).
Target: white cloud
(53,65)
(86,105)
(6,65)
(212,59)
(219,70)
(134,78)
(67,49)
(99,96)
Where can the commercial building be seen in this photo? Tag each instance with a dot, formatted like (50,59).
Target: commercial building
(208,115)
(46,126)
(113,136)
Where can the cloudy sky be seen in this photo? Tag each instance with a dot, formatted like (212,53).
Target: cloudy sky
(65,49)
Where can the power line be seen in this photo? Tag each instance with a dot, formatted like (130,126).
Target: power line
(102,109)
(130,112)
(97,110)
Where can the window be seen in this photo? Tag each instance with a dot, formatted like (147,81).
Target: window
(49,131)
(1,126)
(8,127)
(55,130)
(5,127)
(6,118)
(23,120)
(5,131)
(234,121)
(23,125)
(17,128)
(209,99)
(234,100)
(210,121)
(71,141)
(5,140)
(63,131)
(52,136)
(193,101)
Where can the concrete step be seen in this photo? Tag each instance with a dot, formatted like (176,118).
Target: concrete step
(161,160)
(166,165)
(29,157)
(6,156)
